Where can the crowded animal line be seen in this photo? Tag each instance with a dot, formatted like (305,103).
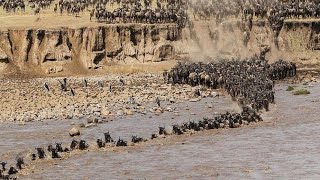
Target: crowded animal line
(250,82)
(152,87)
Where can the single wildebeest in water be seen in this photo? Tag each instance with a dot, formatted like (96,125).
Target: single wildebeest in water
(12,170)
(161,130)
(59,147)
(3,164)
(136,139)
(121,142)
(41,153)
(74,144)
(50,147)
(100,143)
(55,153)
(83,145)
(33,156)
(108,138)
(20,162)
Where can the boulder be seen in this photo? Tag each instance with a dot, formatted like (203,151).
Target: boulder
(214,94)
(129,112)
(168,130)
(120,113)
(172,100)
(92,120)
(74,132)
(105,112)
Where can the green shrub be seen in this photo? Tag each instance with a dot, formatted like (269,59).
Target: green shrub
(290,88)
(301,92)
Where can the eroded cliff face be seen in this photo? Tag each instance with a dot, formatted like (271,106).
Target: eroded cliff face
(50,50)
(54,50)
(298,41)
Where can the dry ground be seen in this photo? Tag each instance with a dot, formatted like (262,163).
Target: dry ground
(47,18)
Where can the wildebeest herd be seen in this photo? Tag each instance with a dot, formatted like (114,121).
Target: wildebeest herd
(250,82)
(134,12)
(274,11)
(169,11)
(231,120)
(128,11)
(203,9)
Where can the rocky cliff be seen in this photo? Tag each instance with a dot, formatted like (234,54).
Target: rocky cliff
(299,41)
(51,50)
(78,49)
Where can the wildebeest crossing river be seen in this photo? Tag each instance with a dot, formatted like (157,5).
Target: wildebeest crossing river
(256,151)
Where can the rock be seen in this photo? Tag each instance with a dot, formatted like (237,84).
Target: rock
(81,125)
(22,123)
(3,56)
(214,94)
(129,112)
(236,125)
(169,109)
(172,100)
(168,130)
(74,132)
(105,112)
(210,105)
(96,114)
(159,111)
(96,109)
(194,100)
(120,113)
(92,120)
(90,125)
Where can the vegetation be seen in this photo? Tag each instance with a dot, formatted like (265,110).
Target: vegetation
(301,92)
(290,88)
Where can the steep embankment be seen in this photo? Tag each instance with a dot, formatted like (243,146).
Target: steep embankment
(77,49)
(299,41)
(226,40)
(53,50)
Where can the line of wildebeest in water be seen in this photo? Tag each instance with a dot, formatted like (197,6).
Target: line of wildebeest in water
(231,120)
(250,82)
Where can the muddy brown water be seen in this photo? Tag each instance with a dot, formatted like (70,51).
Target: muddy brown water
(16,139)
(286,146)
